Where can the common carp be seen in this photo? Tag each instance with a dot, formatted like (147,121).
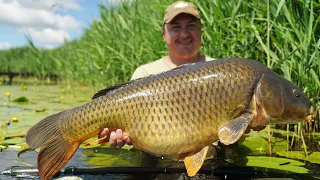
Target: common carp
(177,113)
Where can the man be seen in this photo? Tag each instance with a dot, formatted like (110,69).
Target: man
(182,33)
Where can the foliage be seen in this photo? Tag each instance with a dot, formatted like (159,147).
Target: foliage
(313,157)
(21,99)
(3,131)
(284,35)
(277,163)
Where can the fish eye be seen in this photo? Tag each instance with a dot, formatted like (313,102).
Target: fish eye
(296,92)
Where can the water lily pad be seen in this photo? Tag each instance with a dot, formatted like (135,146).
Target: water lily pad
(21,99)
(41,110)
(112,157)
(13,141)
(313,157)
(277,163)
(3,132)
(258,143)
(283,133)
(15,147)
(18,131)
(128,147)
(2,147)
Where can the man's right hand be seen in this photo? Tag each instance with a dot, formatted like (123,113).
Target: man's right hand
(116,139)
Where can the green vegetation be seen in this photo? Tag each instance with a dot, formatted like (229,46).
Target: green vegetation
(21,99)
(277,163)
(27,59)
(284,35)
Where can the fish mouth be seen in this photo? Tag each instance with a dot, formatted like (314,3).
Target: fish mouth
(310,116)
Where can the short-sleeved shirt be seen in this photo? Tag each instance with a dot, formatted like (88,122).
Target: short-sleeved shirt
(155,67)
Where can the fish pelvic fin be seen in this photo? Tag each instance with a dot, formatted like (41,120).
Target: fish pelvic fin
(98,141)
(54,155)
(194,162)
(231,131)
(55,151)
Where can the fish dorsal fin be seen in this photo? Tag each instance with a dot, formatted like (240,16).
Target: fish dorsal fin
(194,162)
(182,66)
(117,86)
(109,89)
(231,131)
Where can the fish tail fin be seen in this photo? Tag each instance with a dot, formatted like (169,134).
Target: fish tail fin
(44,131)
(54,155)
(55,151)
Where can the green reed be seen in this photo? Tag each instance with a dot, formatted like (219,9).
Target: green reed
(284,35)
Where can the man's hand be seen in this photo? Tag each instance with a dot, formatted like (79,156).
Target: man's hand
(116,139)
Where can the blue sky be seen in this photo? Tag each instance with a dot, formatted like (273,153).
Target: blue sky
(47,22)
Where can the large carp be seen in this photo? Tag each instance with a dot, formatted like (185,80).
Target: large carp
(178,113)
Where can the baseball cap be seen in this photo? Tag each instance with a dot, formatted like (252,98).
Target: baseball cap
(180,7)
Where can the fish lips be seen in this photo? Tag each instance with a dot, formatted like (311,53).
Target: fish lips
(309,117)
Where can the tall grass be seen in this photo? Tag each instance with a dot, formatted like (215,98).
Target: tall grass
(288,32)
(284,35)
(15,60)
(27,59)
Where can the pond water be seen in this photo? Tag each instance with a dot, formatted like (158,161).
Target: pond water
(247,159)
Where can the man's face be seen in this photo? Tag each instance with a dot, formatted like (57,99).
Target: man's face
(183,36)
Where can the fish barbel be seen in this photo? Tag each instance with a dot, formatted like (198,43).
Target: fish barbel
(177,113)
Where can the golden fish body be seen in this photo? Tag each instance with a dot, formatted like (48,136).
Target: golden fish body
(175,113)
(172,112)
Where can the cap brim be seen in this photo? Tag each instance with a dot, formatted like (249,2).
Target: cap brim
(175,14)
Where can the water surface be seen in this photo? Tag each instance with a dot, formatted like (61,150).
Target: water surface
(252,151)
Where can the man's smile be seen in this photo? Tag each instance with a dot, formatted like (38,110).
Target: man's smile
(185,42)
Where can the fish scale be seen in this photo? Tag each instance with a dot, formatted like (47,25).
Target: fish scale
(176,113)
(187,102)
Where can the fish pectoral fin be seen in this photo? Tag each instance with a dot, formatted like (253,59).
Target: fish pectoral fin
(98,141)
(194,162)
(236,111)
(231,131)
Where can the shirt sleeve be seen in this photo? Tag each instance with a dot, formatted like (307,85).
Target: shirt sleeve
(209,58)
(139,73)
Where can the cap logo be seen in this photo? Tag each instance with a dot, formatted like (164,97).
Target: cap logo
(181,5)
